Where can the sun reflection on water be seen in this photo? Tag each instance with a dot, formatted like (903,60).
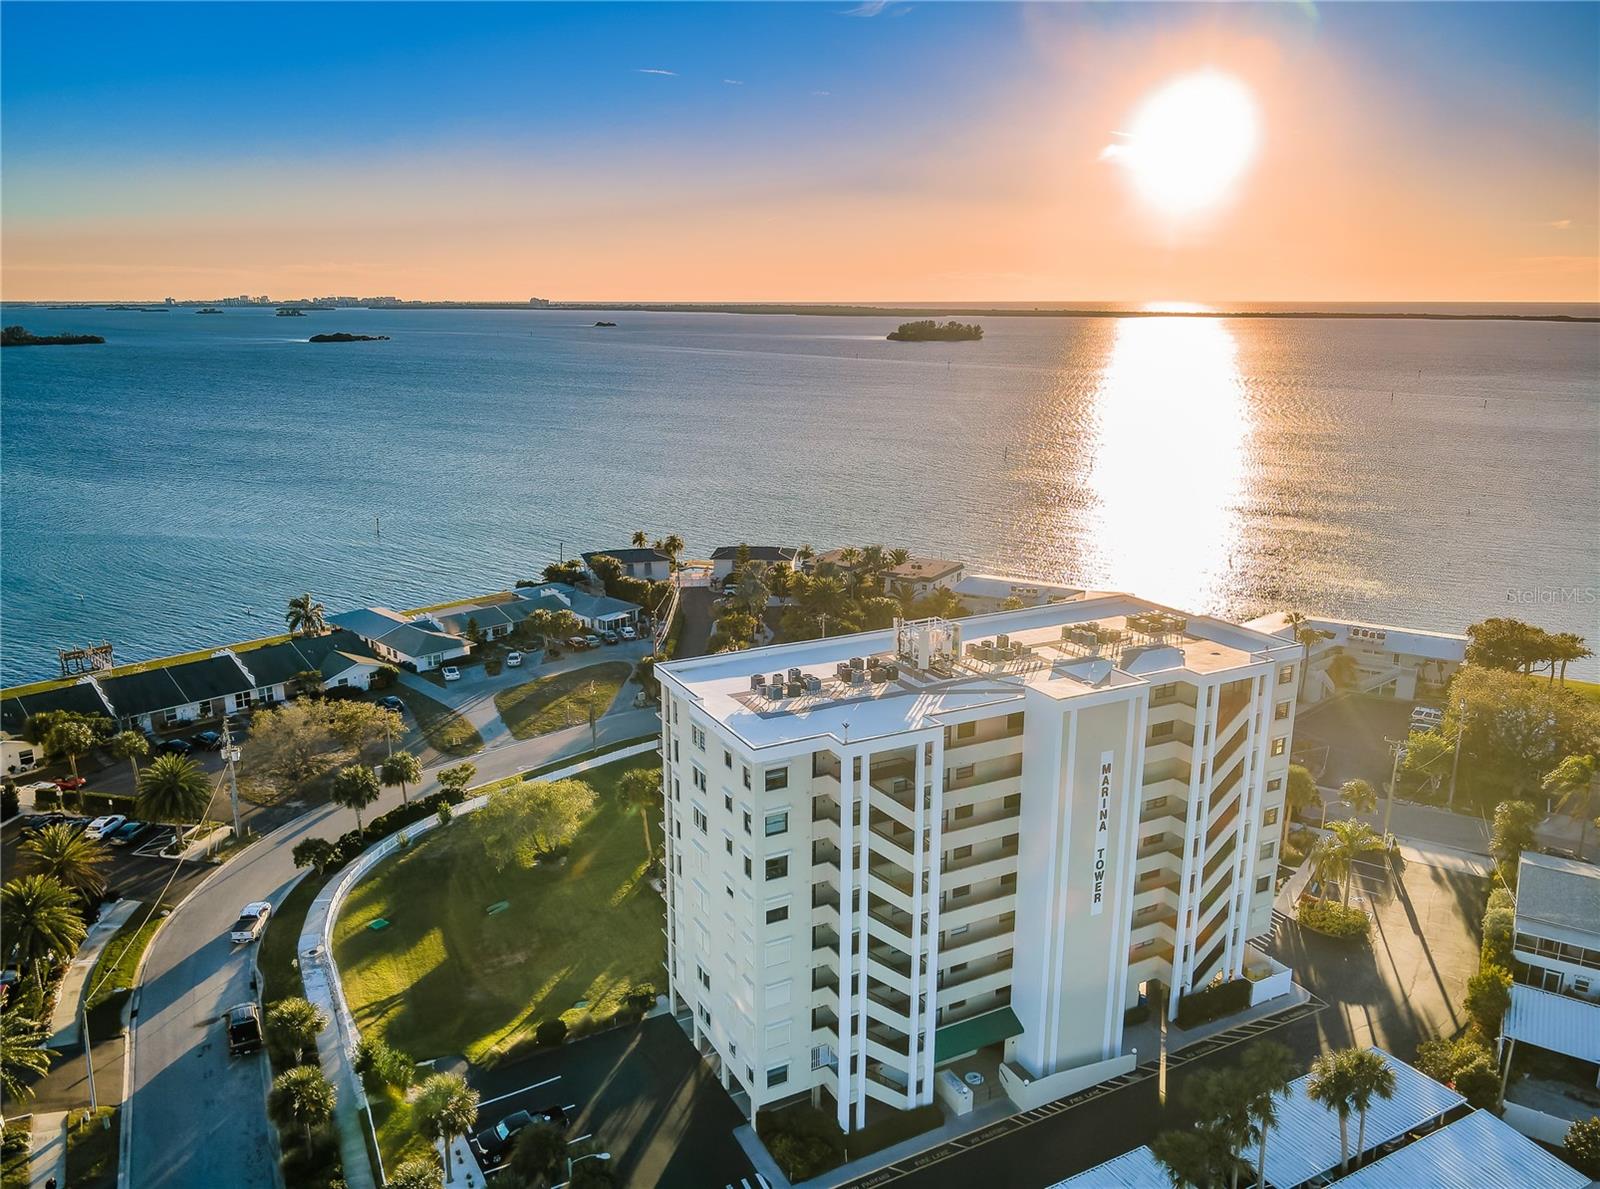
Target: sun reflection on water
(1171,424)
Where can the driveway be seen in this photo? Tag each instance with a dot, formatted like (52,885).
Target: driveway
(643,1095)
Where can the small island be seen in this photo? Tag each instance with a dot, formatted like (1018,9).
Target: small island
(342,337)
(17,336)
(930,331)
(291,313)
(605,323)
(209,310)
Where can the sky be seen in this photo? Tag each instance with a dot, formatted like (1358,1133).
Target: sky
(801,152)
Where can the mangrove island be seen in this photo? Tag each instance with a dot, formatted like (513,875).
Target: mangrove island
(17,336)
(343,337)
(930,331)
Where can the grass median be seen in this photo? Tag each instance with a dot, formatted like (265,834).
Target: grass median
(445,730)
(446,975)
(562,699)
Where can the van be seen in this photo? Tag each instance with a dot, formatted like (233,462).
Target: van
(1426,718)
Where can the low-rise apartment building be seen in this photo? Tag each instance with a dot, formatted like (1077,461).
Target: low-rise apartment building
(889,850)
(1406,664)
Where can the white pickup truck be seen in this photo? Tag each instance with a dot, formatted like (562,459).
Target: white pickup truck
(252,919)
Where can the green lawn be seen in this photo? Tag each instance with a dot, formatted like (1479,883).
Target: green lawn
(111,980)
(444,729)
(562,699)
(1589,689)
(279,947)
(445,977)
(92,1148)
(14,1167)
(395,1123)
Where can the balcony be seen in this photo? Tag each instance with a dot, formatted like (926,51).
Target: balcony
(1155,951)
(993,819)
(898,845)
(1166,843)
(980,866)
(969,910)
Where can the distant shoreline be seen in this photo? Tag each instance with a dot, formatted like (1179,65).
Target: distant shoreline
(901,311)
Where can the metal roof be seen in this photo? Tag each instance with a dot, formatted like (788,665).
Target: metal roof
(1476,1152)
(1556,891)
(968,1036)
(1305,1143)
(1555,1022)
(1138,1169)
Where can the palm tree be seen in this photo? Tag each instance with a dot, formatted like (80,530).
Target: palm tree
(1194,1159)
(22,1054)
(305,616)
(294,1023)
(445,1109)
(1332,1083)
(1359,795)
(130,746)
(301,1097)
(540,1155)
(752,592)
(41,915)
(416,1174)
(402,768)
(173,789)
(1337,851)
(1305,636)
(1268,1069)
(639,539)
(1572,782)
(72,739)
(1371,1077)
(672,546)
(65,854)
(355,787)
(638,791)
(1223,1099)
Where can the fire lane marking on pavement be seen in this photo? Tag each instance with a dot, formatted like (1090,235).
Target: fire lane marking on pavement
(1143,1073)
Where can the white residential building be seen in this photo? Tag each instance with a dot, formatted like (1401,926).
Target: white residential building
(1373,658)
(889,850)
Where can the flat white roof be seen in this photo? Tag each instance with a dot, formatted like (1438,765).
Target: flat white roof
(1559,1023)
(721,683)
(1431,646)
(1138,1169)
(1000,586)
(1475,1152)
(1305,1143)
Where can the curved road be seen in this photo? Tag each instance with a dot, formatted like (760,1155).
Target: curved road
(194,1118)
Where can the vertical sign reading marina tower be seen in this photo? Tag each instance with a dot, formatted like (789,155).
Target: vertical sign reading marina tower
(1102,834)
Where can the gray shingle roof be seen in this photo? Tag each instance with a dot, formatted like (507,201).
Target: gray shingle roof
(368,622)
(627,555)
(277,663)
(80,698)
(175,685)
(782,553)
(1560,892)
(410,640)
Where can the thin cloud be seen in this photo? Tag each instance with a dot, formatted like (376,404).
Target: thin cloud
(1560,224)
(657,70)
(734,82)
(867,8)
(822,92)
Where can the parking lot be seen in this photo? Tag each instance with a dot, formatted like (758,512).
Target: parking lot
(1351,734)
(135,870)
(641,1093)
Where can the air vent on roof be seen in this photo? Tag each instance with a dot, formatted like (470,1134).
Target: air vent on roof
(758,682)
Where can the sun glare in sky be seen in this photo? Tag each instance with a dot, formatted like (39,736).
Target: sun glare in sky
(1189,142)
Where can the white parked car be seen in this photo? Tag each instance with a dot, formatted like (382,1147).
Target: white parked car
(591,641)
(450,673)
(252,919)
(627,633)
(513,659)
(101,827)
(1427,718)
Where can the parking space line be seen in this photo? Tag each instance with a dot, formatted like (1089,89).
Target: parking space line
(514,1093)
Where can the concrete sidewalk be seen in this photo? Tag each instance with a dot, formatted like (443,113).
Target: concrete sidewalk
(66,1016)
(48,1135)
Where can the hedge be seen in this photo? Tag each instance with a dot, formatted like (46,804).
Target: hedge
(1214,1002)
(1333,920)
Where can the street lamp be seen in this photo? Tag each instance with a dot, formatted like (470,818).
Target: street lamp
(571,1160)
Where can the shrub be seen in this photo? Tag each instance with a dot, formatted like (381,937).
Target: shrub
(1464,1062)
(1478,1081)
(1582,1147)
(17,1138)
(10,801)
(1488,997)
(383,677)
(801,1157)
(1334,920)
(313,1167)
(1499,926)
(47,798)
(1501,898)
(1214,1002)
(381,1065)
(550,1033)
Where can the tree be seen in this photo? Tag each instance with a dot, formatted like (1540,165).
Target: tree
(314,852)
(639,539)
(1268,1069)
(553,626)
(307,681)
(293,1024)
(672,546)
(356,724)
(71,739)
(539,1151)
(733,631)
(639,791)
(1488,997)
(607,569)
(1336,852)
(1582,1146)
(1512,832)
(22,1054)
(173,789)
(591,1173)
(1306,636)
(474,630)
(1571,784)
(1359,795)
(752,592)
(288,740)
(402,768)
(1333,1084)
(42,920)
(1513,731)
(1370,1077)
(416,1174)
(305,616)
(355,787)
(1566,647)
(1506,644)
(1426,759)
(65,854)
(130,746)
(568,573)
(456,779)
(645,674)
(1299,793)
(445,1109)
(940,602)
(301,1097)
(527,821)
(1223,1100)
(1194,1159)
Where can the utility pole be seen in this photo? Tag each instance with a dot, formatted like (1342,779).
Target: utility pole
(1455,760)
(824,618)
(88,1060)
(1394,780)
(230,754)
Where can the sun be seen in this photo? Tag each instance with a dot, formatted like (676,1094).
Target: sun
(1189,142)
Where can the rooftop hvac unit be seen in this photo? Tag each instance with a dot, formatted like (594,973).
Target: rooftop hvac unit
(794,689)
(757,682)
(813,683)
(1002,641)
(891,671)
(777,680)
(857,662)
(794,674)
(858,676)
(842,671)
(773,691)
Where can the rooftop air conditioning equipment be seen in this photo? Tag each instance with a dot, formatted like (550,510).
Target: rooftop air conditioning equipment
(858,677)
(773,692)
(857,662)
(841,671)
(777,680)
(891,671)
(794,674)
(794,689)
(1002,640)
(813,683)
(757,682)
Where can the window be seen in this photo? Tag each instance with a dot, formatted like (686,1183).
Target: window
(747,777)
(1286,675)
(776,778)
(777,823)
(727,759)
(698,778)
(749,868)
(1274,784)
(1160,730)
(242,699)
(699,736)
(1279,746)
(729,889)
(964,890)
(965,771)
(777,866)
(777,1075)
(727,801)
(1169,690)
(727,844)
(961,852)
(675,755)
(700,973)
(1014,724)
(966,730)
(1281,711)
(1270,817)
(780,913)
(747,821)
(963,811)
(1155,803)
(1268,849)
(1263,883)
(700,819)
(205,708)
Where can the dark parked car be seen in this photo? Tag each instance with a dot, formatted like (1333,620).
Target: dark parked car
(175,747)
(127,833)
(208,741)
(491,1147)
(393,703)
(34,822)
(243,1024)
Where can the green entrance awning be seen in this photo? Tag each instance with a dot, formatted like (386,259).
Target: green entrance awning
(954,1040)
